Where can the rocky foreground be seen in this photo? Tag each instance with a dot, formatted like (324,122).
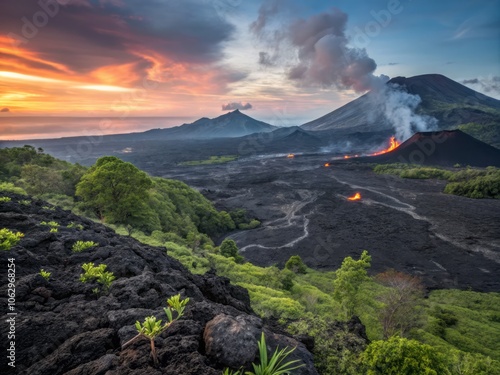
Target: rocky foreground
(63,327)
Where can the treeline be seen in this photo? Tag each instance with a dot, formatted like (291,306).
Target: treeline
(468,182)
(488,133)
(116,192)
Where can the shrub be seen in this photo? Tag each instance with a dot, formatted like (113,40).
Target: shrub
(45,274)
(25,202)
(5,199)
(75,226)
(274,365)
(52,224)
(229,249)
(9,238)
(80,246)
(152,327)
(295,264)
(99,273)
(11,188)
(399,356)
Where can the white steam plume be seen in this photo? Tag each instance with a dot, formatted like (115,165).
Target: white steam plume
(399,109)
(322,57)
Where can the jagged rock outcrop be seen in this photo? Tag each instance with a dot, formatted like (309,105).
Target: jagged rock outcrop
(63,327)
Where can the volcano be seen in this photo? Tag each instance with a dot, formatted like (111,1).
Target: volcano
(231,125)
(450,102)
(444,148)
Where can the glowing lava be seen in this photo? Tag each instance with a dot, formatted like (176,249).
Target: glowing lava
(326,165)
(290,156)
(355,197)
(393,145)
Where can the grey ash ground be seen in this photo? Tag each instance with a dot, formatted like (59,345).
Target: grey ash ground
(408,225)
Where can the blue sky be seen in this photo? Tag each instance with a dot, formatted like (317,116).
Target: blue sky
(300,60)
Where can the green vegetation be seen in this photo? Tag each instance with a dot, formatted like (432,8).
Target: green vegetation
(348,280)
(229,249)
(53,225)
(80,246)
(9,238)
(462,327)
(45,274)
(295,264)
(98,273)
(9,187)
(468,182)
(400,356)
(25,202)
(152,327)
(29,170)
(488,133)
(212,160)
(5,199)
(275,364)
(72,225)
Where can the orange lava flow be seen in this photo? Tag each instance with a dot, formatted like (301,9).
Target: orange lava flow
(290,156)
(355,197)
(393,145)
(326,164)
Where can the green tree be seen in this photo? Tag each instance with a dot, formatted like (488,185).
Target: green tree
(41,180)
(229,249)
(348,279)
(400,356)
(295,264)
(116,191)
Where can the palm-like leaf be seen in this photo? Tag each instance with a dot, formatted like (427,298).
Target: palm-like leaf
(273,365)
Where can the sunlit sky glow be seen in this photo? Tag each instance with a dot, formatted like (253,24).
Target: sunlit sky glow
(126,58)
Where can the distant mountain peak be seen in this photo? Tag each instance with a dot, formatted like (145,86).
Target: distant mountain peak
(450,102)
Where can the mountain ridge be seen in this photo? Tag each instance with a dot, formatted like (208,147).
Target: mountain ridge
(450,102)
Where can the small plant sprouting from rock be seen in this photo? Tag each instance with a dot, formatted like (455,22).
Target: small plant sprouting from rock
(98,273)
(54,226)
(152,327)
(50,208)
(80,246)
(75,226)
(5,199)
(45,274)
(25,202)
(9,238)
(270,366)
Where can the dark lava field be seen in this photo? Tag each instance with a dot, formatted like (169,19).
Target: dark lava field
(408,225)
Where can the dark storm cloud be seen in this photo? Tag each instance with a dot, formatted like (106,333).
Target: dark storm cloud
(489,85)
(85,35)
(5,110)
(470,81)
(324,55)
(236,105)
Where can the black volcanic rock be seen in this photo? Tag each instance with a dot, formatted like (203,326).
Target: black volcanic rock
(445,148)
(62,327)
(450,102)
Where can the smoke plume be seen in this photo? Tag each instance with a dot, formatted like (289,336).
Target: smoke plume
(399,107)
(320,55)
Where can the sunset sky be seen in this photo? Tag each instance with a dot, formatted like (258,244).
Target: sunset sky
(291,60)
